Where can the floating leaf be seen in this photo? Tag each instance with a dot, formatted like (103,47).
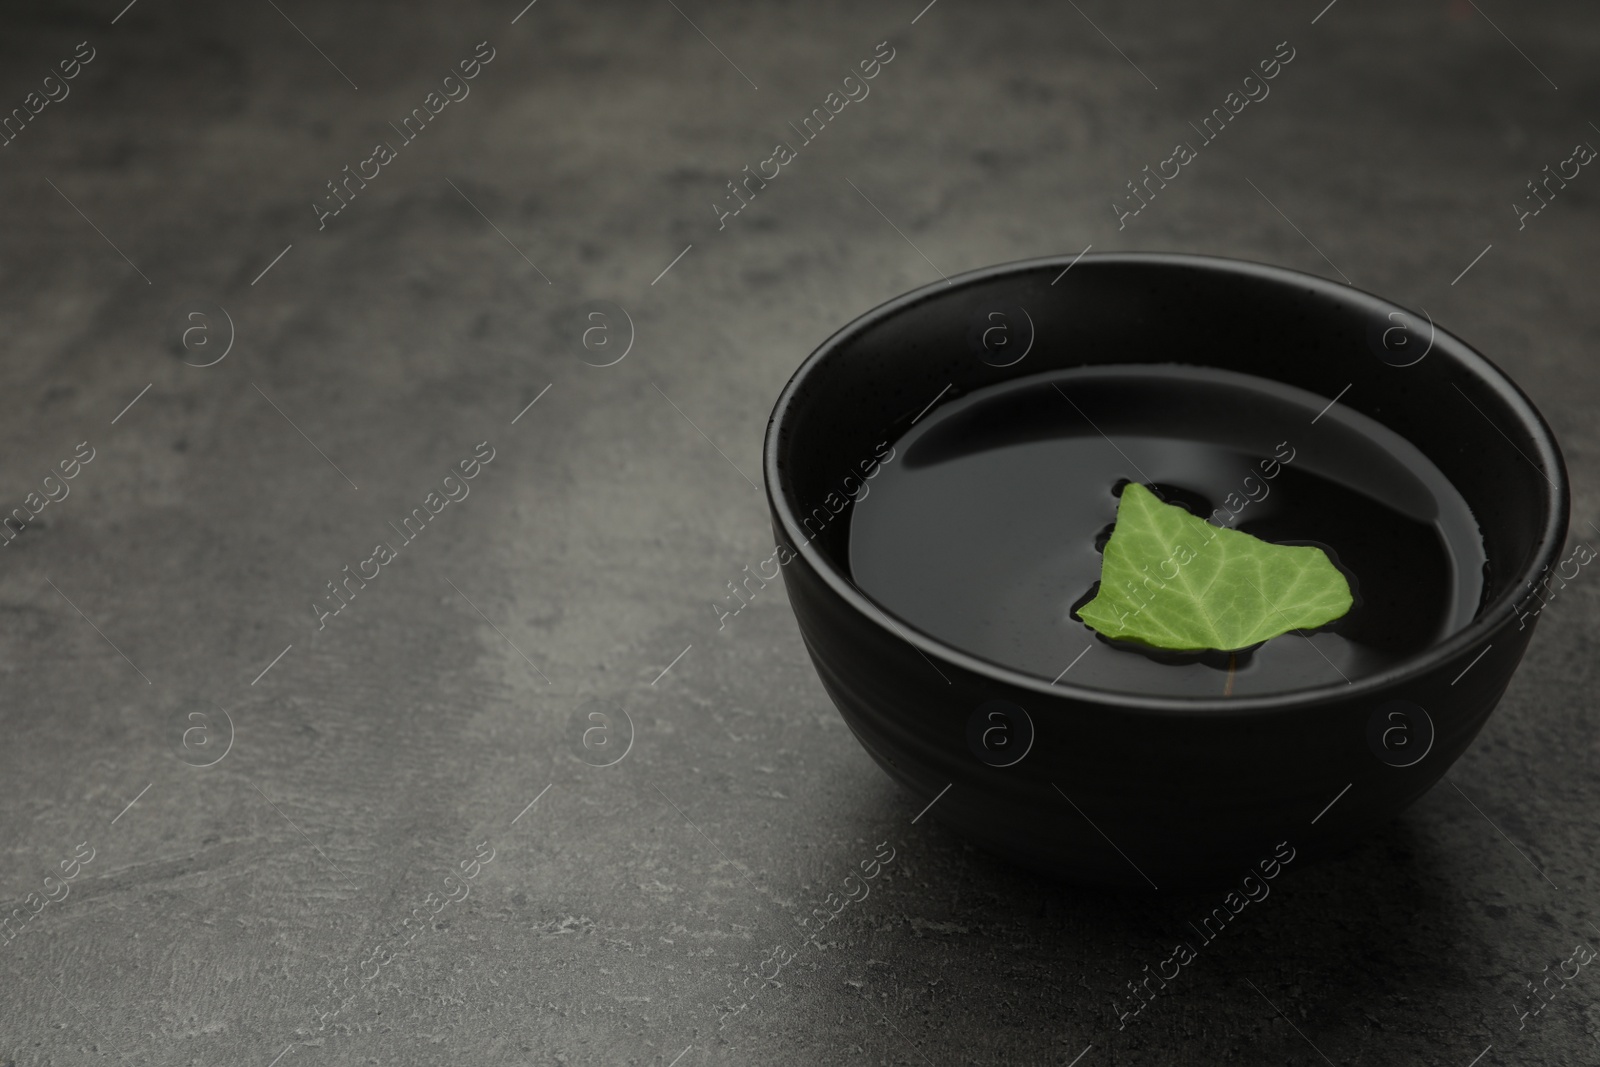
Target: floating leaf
(1172,580)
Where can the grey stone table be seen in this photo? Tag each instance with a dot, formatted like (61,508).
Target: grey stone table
(297,837)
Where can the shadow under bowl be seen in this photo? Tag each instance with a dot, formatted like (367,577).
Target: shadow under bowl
(1126,789)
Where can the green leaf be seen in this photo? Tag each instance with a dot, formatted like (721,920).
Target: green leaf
(1172,580)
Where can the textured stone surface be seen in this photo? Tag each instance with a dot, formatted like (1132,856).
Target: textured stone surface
(221,911)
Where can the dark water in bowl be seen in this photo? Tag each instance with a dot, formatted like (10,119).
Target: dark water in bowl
(986,534)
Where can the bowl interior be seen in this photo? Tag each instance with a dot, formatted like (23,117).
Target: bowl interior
(868,383)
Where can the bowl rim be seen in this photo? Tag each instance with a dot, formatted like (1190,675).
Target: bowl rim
(1489,619)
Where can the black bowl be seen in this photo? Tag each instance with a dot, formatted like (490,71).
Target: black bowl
(1116,788)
